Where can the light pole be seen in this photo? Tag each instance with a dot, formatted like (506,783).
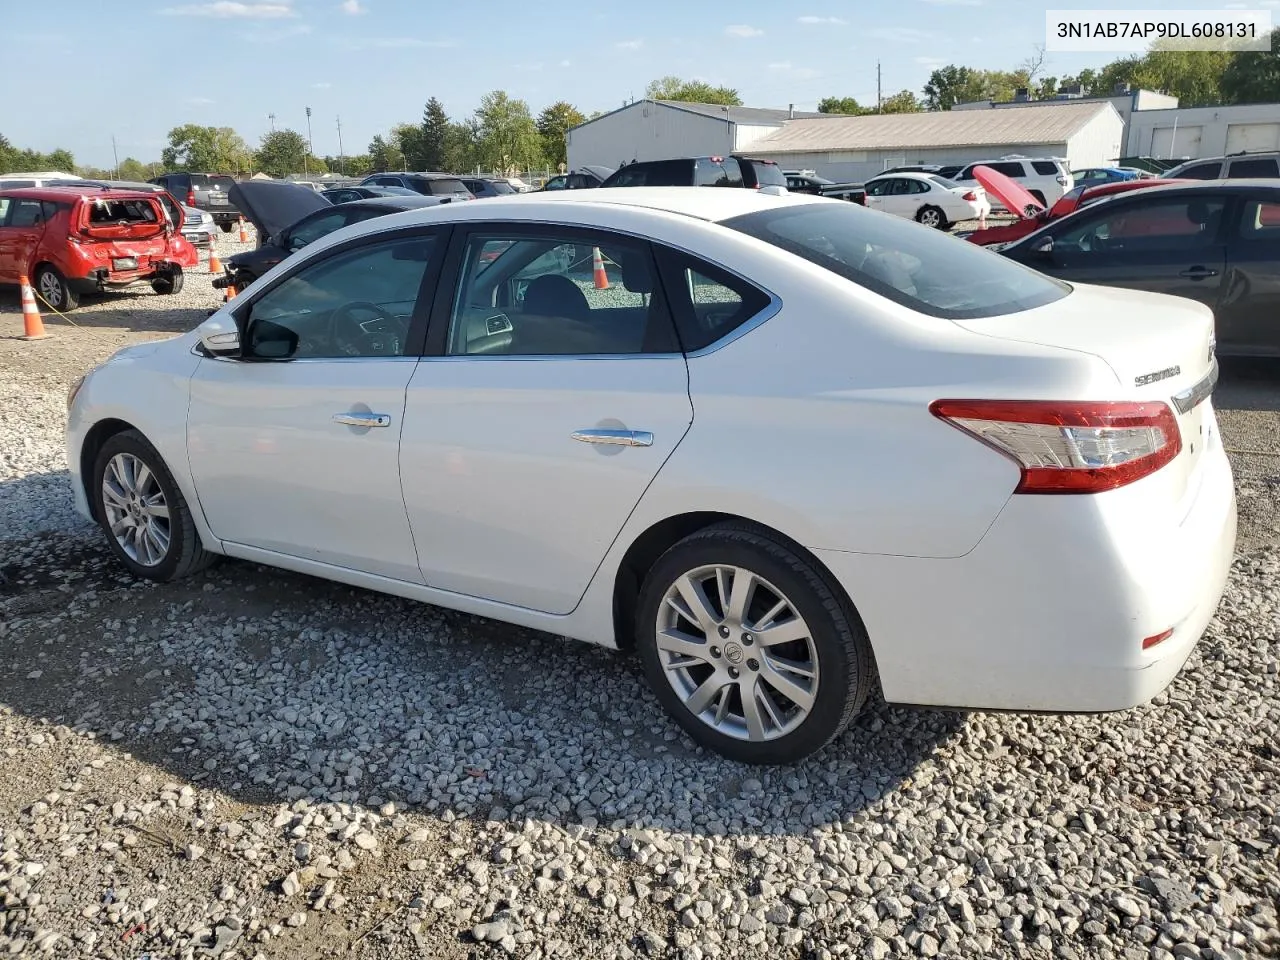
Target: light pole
(342,163)
(310,148)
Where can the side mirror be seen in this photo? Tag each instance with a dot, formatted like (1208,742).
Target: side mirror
(267,340)
(1043,247)
(220,337)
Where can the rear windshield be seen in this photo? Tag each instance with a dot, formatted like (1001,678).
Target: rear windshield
(446,188)
(919,268)
(501,186)
(121,212)
(942,182)
(768,174)
(717,173)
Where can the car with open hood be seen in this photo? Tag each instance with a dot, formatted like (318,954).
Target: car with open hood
(1031,214)
(84,238)
(288,216)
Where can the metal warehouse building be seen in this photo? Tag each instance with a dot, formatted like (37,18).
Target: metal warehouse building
(854,148)
(1204,131)
(664,129)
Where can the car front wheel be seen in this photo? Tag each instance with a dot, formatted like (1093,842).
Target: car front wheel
(145,516)
(750,647)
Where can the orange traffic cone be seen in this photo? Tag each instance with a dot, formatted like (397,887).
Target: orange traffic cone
(215,265)
(244,236)
(32,324)
(597,270)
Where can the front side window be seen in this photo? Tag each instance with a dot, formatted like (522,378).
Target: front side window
(1201,171)
(925,270)
(542,296)
(354,303)
(4,210)
(314,229)
(1187,223)
(1261,221)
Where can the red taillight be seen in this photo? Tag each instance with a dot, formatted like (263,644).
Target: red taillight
(1070,447)
(970,196)
(1150,642)
(191,198)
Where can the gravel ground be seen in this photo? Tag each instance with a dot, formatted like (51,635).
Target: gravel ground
(258,764)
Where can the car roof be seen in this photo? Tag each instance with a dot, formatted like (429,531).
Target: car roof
(74,191)
(909,174)
(1229,186)
(392,202)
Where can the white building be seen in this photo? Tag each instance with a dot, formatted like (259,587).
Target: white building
(854,148)
(666,129)
(1126,102)
(1204,131)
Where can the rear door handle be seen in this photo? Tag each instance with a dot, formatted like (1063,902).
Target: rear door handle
(363,419)
(1198,273)
(622,438)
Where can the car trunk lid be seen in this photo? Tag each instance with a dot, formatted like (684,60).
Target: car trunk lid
(1161,349)
(1013,195)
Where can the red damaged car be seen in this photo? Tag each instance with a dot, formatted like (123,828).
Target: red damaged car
(74,240)
(1034,214)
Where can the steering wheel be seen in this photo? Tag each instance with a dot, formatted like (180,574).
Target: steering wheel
(377,337)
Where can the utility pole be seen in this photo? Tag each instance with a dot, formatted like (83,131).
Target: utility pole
(272,118)
(879,97)
(115,154)
(342,163)
(310,149)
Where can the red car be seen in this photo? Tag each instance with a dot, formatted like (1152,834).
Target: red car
(1035,215)
(74,240)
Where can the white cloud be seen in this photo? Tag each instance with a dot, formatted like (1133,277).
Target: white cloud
(955,3)
(354,7)
(629,44)
(743,30)
(929,61)
(899,34)
(565,63)
(275,36)
(785,68)
(321,86)
(400,43)
(230,9)
(199,101)
(811,19)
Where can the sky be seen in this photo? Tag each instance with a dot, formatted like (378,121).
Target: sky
(374,63)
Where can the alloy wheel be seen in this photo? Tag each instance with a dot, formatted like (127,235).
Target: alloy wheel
(930,218)
(136,510)
(737,653)
(50,289)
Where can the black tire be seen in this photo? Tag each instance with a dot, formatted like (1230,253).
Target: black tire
(927,214)
(185,554)
(1039,197)
(52,289)
(169,283)
(226,227)
(845,662)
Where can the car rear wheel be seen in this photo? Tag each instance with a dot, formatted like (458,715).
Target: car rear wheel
(146,518)
(170,282)
(52,288)
(226,227)
(932,217)
(749,647)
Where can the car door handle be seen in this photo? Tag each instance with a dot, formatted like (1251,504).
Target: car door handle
(362,419)
(1198,273)
(622,438)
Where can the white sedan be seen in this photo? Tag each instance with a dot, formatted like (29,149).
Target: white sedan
(927,199)
(785,448)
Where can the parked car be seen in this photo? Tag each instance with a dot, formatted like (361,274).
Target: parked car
(806,181)
(488,187)
(288,216)
(1261,163)
(194,224)
(347,194)
(1214,242)
(926,198)
(1032,216)
(585,177)
(730,171)
(1045,178)
(426,184)
(967,429)
(208,192)
(1093,176)
(71,240)
(39,178)
(946,172)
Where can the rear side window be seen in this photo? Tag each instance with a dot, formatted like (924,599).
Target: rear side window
(717,173)
(1046,168)
(26,213)
(708,302)
(924,270)
(1264,167)
(1202,171)
(445,188)
(1008,169)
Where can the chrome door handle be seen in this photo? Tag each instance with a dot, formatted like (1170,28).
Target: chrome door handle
(362,419)
(622,438)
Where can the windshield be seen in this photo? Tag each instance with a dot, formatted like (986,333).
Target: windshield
(923,269)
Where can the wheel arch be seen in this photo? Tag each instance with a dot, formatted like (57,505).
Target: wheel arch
(664,534)
(94,439)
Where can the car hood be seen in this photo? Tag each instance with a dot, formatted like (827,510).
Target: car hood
(1015,197)
(272,206)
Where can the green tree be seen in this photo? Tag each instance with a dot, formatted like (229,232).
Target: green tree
(6,154)
(435,135)
(282,152)
(462,146)
(209,149)
(946,86)
(382,155)
(904,101)
(508,139)
(1253,76)
(554,124)
(845,105)
(691,91)
(61,160)
(1193,76)
(131,169)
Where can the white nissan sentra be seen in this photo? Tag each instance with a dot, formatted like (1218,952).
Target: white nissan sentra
(785,447)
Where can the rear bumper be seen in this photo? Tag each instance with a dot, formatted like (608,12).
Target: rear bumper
(1049,611)
(104,279)
(220,215)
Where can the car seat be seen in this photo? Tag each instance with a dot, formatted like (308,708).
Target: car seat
(553,295)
